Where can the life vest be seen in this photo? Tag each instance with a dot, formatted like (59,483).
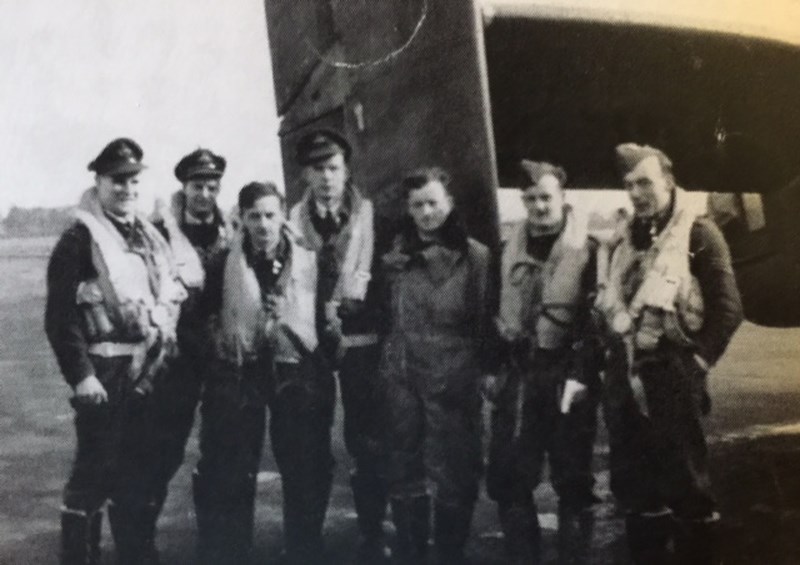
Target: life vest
(134,300)
(187,259)
(539,299)
(247,328)
(359,240)
(668,301)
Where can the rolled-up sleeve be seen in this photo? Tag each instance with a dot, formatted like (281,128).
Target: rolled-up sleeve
(711,265)
(70,263)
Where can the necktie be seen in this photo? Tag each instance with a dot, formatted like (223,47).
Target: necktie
(328,224)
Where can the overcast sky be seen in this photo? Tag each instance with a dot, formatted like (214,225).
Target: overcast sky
(173,75)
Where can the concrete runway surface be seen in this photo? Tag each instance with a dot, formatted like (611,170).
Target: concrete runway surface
(754,426)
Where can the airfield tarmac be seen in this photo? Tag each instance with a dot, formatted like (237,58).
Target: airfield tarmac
(754,430)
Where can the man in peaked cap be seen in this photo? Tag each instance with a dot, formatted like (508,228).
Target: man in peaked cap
(320,145)
(112,306)
(122,156)
(336,220)
(547,406)
(198,235)
(669,306)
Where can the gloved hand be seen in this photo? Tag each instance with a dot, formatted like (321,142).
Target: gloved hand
(90,391)
(573,393)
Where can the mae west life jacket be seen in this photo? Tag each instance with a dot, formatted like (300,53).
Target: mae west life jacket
(186,257)
(668,302)
(355,269)
(246,327)
(545,314)
(134,301)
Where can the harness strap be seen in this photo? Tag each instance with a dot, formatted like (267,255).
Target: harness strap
(113,349)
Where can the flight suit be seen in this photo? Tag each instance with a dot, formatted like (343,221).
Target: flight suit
(433,357)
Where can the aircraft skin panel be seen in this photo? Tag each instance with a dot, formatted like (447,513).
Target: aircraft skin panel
(403,104)
(324,91)
(723,108)
(435,82)
(775,20)
(291,28)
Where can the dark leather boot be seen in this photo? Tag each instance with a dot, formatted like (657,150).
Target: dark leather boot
(149,519)
(242,520)
(210,526)
(304,510)
(80,537)
(522,534)
(95,535)
(225,527)
(649,537)
(133,527)
(451,531)
(411,517)
(575,531)
(369,498)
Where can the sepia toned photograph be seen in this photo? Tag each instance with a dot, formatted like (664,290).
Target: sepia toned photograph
(425,282)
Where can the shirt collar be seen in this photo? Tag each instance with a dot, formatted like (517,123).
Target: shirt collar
(121,221)
(193,220)
(322,209)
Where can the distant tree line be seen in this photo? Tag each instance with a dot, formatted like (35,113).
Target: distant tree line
(35,222)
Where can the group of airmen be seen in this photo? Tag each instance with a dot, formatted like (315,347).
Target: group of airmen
(255,318)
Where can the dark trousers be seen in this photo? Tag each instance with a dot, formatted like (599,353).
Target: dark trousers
(364,412)
(660,460)
(231,441)
(434,435)
(110,465)
(301,400)
(235,399)
(364,437)
(434,416)
(110,441)
(525,433)
(175,399)
(168,423)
